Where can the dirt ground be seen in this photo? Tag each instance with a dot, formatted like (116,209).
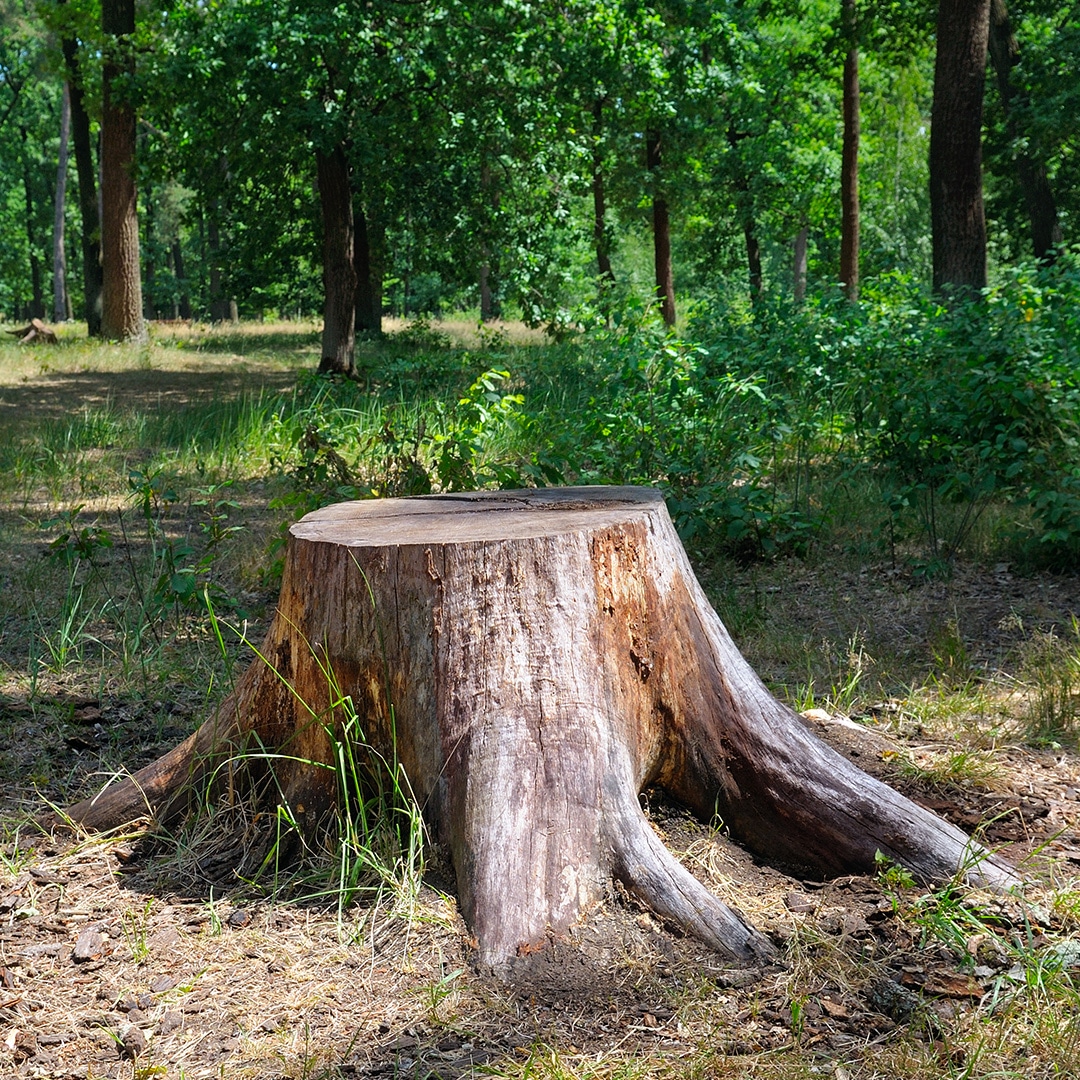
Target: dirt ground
(124,959)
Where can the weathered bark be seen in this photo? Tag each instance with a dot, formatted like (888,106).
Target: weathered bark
(957,216)
(665,282)
(90,239)
(849,168)
(600,234)
(121,284)
(61,303)
(1046,234)
(339,273)
(534,660)
(799,263)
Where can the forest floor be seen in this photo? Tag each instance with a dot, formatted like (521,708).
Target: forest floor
(126,957)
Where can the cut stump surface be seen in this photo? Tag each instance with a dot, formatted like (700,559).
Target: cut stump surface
(534,660)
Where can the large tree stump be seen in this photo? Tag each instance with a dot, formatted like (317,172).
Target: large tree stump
(535,659)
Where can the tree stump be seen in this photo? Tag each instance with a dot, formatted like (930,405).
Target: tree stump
(535,659)
(35,331)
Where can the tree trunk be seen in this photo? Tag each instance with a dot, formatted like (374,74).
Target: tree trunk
(600,233)
(339,273)
(534,660)
(121,285)
(490,308)
(60,296)
(368,297)
(849,168)
(957,218)
(753,259)
(219,306)
(150,286)
(799,260)
(36,308)
(1042,209)
(90,240)
(665,282)
(183,306)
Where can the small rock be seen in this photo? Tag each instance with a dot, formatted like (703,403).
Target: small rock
(797,903)
(170,1022)
(891,999)
(240,917)
(132,1043)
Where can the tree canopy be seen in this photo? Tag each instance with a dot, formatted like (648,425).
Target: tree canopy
(497,151)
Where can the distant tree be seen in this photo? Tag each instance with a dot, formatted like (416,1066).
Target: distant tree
(958,220)
(661,223)
(121,308)
(86,172)
(849,169)
(1031,171)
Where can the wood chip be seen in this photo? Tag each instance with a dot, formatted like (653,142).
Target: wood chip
(90,946)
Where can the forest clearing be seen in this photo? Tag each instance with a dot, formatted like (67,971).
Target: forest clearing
(144,490)
(762,317)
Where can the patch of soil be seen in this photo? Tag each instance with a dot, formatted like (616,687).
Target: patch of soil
(60,396)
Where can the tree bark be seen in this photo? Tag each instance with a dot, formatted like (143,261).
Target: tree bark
(61,304)
(90,239)
(339,273)
(600,232)
(1041,207)
(534,660)
(121,285)
(665,282)
(957,217)
(849,168)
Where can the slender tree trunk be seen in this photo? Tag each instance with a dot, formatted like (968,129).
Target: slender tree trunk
(799,267)
(665,282)
(368,306)
(61,304)
(753,258)
(89,214)
(36,309)
(849,169)
(121,303)
(600,232)
(745,207)
(1042,209)
(490,309)
(339,273)
(184,301)
(957,216)
(149,307)
(219,306)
